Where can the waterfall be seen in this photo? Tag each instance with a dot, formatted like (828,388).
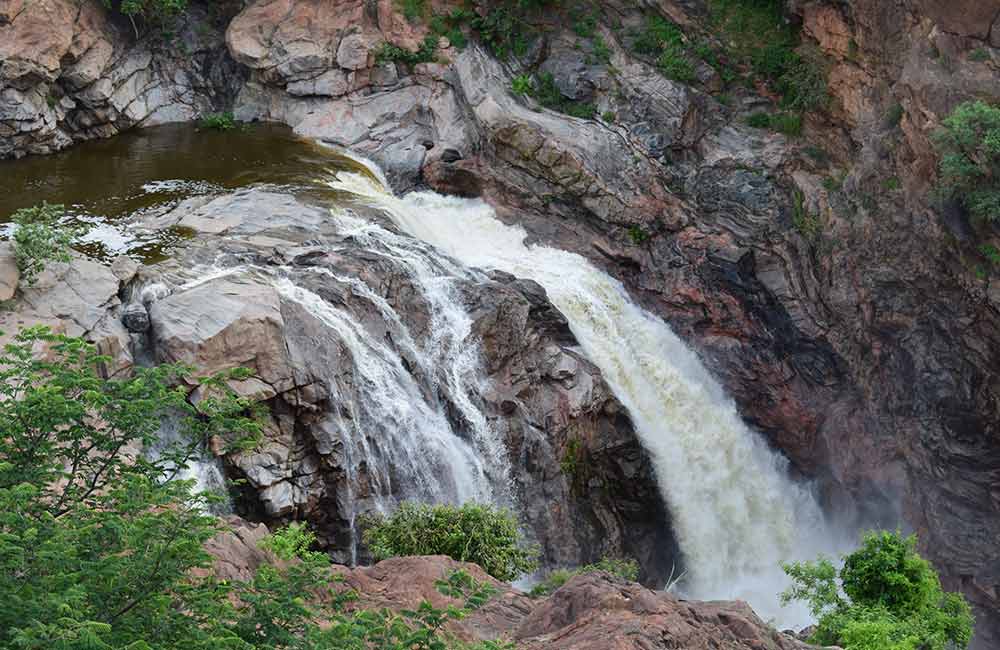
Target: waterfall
(736,513)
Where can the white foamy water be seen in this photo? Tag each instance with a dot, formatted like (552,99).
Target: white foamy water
(736,513)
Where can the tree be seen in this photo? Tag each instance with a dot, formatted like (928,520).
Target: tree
(969,143)
(102,548)
(889,598)
(39,238)
(471,532)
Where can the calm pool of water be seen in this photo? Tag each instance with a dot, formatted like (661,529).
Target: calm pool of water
(106,185)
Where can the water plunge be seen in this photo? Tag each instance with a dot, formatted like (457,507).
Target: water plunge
(736,513)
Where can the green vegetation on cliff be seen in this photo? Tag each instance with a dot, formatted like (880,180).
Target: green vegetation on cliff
(888,598)
(103,549)
(969,144)
(40,238)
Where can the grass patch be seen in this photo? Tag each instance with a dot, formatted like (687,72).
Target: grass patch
(979,54)
(637,235)
(808,225)
(663,40)
(891,184)
(218,122)
(991,253)
(627,569)
(789,124)
(543,88)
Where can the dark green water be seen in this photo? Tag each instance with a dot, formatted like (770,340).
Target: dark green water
(106,185)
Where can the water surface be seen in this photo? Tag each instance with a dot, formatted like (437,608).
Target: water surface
(107,185)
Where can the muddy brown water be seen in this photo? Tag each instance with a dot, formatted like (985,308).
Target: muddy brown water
(107,185)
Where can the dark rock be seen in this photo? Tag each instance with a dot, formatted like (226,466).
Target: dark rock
(135,317)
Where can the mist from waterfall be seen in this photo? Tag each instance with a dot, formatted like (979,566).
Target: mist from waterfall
(736,513)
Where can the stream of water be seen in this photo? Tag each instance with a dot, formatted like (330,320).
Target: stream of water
(736,513)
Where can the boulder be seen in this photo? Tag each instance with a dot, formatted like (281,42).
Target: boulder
(9,273)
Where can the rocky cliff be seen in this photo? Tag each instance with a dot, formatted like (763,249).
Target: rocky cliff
(864,346)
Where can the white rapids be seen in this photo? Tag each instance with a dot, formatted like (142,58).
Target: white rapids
(736,513)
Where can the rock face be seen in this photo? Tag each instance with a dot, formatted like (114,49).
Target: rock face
(69,71)
(538,396)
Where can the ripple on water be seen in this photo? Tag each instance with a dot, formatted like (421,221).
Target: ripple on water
(108,186)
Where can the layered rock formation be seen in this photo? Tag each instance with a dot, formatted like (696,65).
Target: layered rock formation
(71,71)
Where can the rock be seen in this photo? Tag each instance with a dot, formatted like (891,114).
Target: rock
(599,612)
(10,276)
(223,324)
(135,317)
(352,53)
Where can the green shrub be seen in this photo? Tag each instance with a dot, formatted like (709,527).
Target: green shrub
(759,120)
(808,225)
(101,550)
(426,53)
(891,184)
(637,235)
(504,30)
(521,85)
(414,10)
(979,54)
(608,116)
(802,83)
(218,122)
(894,115)
(657,34)
(991,253)
(889,599)
(545,91)
(969,144)
(39,238)
(674,63)
(627,569)
(472,532)
(787,123)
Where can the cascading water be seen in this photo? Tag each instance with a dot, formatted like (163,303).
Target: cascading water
(736,514)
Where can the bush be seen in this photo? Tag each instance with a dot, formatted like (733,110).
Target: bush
(101,549)
(472,532)
(426,53)
(218,122)
(891,599)
(39,238)
(627,569)
(521,85)
(969,144)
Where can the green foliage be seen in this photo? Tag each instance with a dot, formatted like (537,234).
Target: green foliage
(602,53)
(504,30)
(543,88)
(450,26)
(991,253)
(102,549)
(979,54)
(471,532)
(664,40)
(414,10)
(521,85)
(153,12)
(637,235)
(627,569)
(674,63)
(218,121)
(584,22)
(891,184)
(787,123)
(969,144)
(426,53)
(761,39)
(894,115)
(891,599)
(608,116)
(759,120)
(39,238)
(808,225)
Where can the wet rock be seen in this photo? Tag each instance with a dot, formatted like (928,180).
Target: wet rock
(135,317)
